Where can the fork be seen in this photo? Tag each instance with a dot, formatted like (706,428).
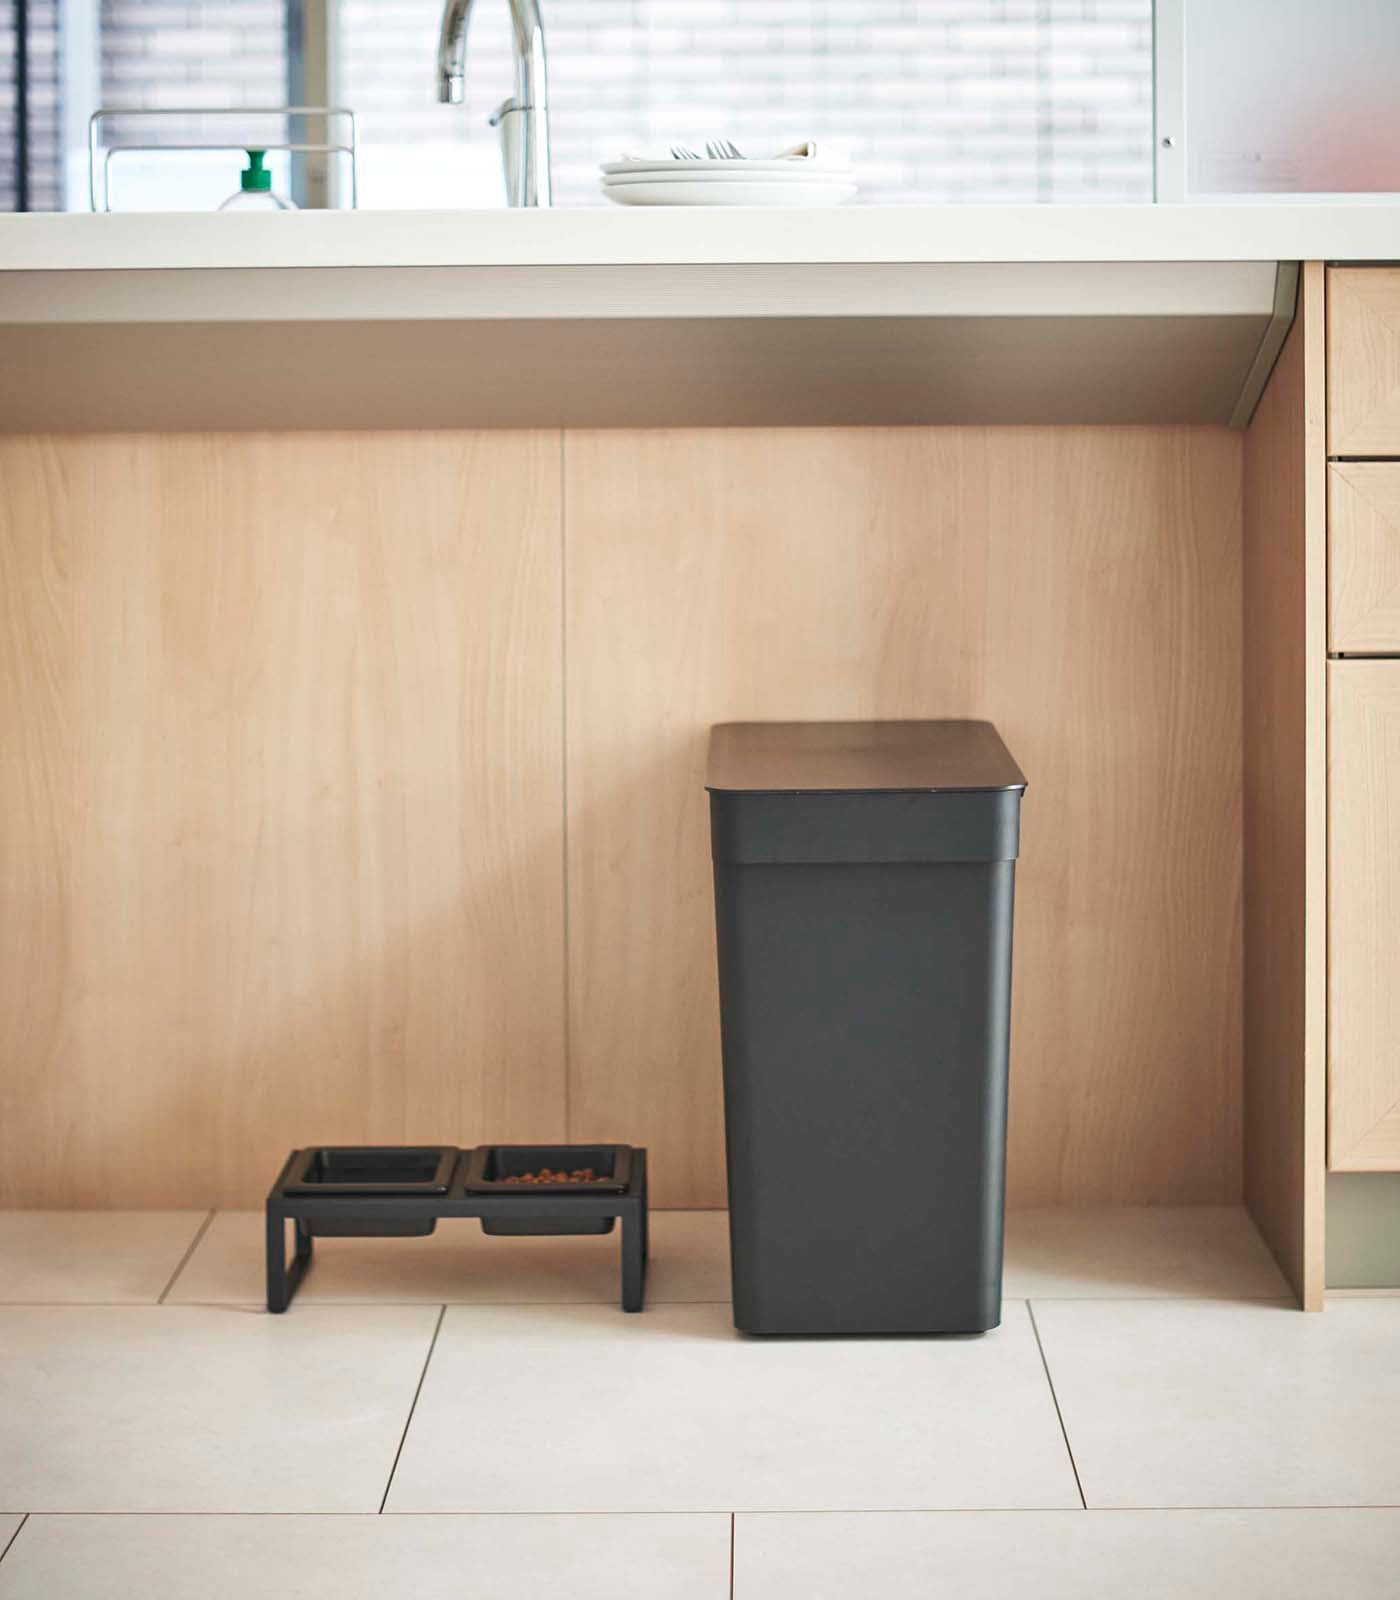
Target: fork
(723,150)
(680,153)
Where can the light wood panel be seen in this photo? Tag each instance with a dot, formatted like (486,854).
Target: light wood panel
(1363,1007)
(1285,803)
(1363,361)
(1363,542)
(282,850)
(44,499)
(1080,588)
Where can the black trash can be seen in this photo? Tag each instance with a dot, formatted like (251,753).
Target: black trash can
(863,895)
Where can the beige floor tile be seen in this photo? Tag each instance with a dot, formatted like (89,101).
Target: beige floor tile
(92,1257)
(1069,1555)
(1193,1404)
(167,1408)
(1140,1252)
(368,1558)
(587,1409)
(460,1264)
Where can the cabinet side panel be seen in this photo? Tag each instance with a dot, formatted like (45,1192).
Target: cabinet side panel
(1284,801)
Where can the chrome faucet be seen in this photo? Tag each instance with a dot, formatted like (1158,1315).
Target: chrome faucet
(523,120)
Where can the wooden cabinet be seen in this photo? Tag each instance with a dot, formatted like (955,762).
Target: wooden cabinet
(1364,915)
(1363,600)
(1363,732)
(1363,361)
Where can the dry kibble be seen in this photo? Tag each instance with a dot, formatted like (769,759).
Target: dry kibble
(548,1175)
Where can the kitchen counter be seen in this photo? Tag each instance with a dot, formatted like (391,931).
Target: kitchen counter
(873,315)
(617,236)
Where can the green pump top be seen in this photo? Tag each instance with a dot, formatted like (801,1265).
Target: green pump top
(255,178)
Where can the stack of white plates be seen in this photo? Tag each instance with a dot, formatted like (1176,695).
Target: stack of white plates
(790,181)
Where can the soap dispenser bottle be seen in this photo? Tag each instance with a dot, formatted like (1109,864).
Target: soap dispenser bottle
(254,192)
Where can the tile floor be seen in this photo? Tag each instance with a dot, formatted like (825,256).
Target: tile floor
(475,1418)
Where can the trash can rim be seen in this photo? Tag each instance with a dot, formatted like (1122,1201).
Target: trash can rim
(925,757)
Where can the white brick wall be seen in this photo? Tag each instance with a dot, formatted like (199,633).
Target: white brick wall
(168,53)
(195,52)
(934,100)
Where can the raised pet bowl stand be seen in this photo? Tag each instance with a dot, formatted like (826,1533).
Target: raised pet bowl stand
(340,1191)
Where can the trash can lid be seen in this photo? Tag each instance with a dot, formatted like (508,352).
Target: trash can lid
(859,757)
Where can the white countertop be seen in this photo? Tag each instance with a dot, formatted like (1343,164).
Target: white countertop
(616,237)
(715,317)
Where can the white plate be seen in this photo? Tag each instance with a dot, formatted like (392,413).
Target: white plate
(726,177)
(702,193)
(793,164)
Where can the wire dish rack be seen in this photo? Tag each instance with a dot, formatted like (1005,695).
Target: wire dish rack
(344,148)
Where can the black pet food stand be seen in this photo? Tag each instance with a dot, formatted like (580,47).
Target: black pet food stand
(402,1191)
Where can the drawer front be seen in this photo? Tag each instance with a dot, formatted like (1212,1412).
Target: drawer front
(1363,361)
(1363,556)
(1363,1009)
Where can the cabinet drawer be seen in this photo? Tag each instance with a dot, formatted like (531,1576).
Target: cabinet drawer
(1363,556)
(1363,979)
(1363,361)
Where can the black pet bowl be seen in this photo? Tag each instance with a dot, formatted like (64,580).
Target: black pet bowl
(491,1166)
(370,1172)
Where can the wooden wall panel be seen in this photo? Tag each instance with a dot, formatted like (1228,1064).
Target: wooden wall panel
(1285,740)
(44,497)
(1079,587)
(282,850)
(283,781)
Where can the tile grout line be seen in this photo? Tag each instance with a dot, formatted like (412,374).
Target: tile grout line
(1172,1299)
(184,1259)
(733,1518)
(1064,1432)
(345,1305)
(701,1511)
(567,1031)
(413,1406)
(10,1542)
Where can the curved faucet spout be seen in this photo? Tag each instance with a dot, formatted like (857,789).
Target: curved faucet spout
(524,120)
(452,52)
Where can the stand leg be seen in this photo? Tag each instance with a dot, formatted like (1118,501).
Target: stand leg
(644,1214)
(279,1292)
(634,1266)
(282,1280)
